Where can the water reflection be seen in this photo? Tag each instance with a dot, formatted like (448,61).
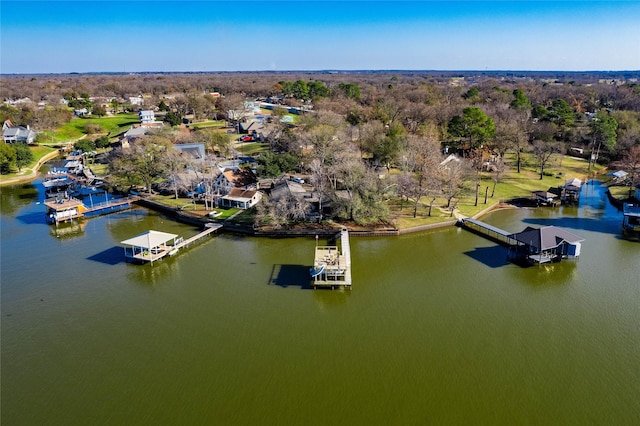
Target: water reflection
(66,230)
(151,275)
(546,274)
(12,198)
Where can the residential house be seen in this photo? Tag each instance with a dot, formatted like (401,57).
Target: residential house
(17,134)
(229,179)
(147,116)
(631,221)
(135,100)
(241,198)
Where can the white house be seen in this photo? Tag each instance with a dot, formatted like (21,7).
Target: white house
(229,179)
(18,134)
(147,116)
(241,198)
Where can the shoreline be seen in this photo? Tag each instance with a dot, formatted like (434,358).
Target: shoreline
(33,171)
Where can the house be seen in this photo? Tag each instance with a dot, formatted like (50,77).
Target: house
(241,198)
(135,100)
(229,179)
(147,117)
(546,244)
(82,112)
(18,134)
(132,134)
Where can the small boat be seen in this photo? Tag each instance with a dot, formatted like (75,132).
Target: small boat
(317,270)
(173,252)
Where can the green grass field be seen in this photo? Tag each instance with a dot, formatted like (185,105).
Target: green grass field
(75,129)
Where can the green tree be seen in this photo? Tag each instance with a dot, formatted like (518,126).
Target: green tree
(172,118)
(102,142)
(317,89)
(162,106)
(474,125)
(7,158)
(521,102)
(142,163)
(24,156)
(300,89)
(85,145)
(350,90)
(561,113)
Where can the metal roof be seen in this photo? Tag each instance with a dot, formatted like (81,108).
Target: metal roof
(149,239)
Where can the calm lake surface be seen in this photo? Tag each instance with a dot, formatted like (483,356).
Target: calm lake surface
(439,328)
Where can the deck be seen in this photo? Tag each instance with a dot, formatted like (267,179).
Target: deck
(336,272)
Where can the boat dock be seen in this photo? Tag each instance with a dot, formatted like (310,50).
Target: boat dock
(67,209)
(534,245)
(332,267)
(155,245)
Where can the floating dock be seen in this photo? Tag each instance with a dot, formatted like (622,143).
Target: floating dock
(332,267)
(154,245)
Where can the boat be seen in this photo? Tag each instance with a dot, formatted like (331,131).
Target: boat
(173,251)
(317,270)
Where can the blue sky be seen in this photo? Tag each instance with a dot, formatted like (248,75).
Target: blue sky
(135,36)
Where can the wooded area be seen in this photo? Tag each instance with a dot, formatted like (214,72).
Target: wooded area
(356,127)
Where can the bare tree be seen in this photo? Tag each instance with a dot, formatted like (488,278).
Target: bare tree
(542,152)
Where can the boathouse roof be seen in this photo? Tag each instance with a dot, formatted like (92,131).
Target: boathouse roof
(545,238)
(149,239)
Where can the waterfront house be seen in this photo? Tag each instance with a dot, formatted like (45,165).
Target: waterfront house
(631,221)
(18,134)
(241,198)
(229,179)
(545,244)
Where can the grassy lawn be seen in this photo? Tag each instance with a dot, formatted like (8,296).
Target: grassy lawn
(252,148)
(512,185)
(187,205)
(206,124)
(75,129)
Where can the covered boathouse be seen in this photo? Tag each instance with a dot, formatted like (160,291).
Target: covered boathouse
(546,244)
(149,246)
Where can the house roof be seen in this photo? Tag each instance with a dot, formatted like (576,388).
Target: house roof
(149,239)
(240,177)
(240,194)
(546,237)
(287,187)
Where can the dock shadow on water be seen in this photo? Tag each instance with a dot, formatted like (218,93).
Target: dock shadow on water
(493,257)
(110,256)
(291,276)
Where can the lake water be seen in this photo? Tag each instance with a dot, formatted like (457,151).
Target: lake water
(438,329)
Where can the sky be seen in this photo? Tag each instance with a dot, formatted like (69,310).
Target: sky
(198,36)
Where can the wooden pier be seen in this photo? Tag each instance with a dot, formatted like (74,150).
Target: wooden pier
(155,245)
(332,267)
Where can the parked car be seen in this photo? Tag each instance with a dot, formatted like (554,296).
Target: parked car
(246,138)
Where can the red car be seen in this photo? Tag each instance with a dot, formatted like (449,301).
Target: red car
(246,138)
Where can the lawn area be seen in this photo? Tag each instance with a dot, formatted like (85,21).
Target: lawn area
(251,148)
(207,124)
(187,205)
(75,129)
(512,185)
